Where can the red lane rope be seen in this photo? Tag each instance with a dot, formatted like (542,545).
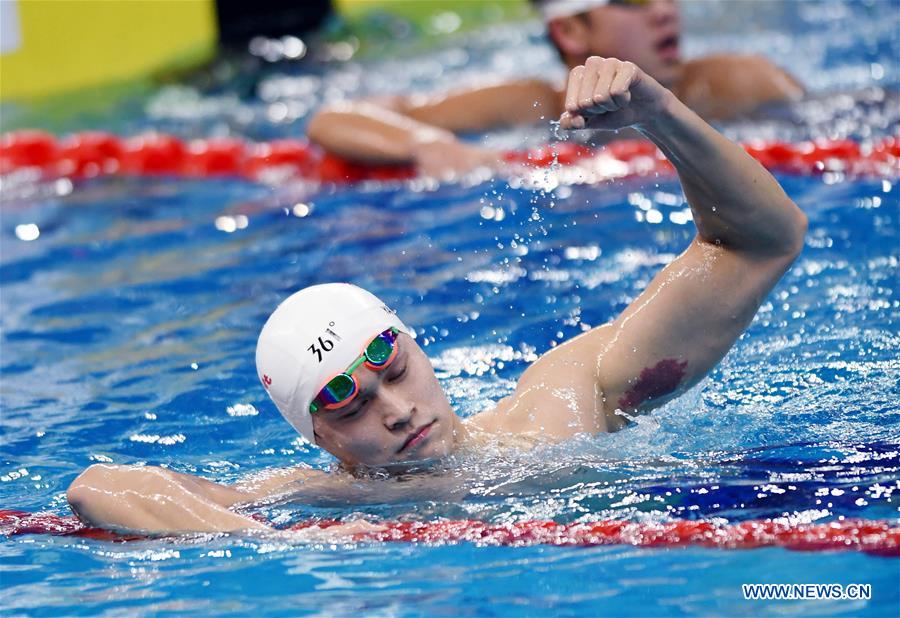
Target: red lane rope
(14,522)
(870,536)
(90,154)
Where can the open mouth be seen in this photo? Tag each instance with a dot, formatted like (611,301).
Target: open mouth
(668,47)
(416,438)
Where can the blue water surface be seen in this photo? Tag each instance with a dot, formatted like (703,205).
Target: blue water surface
(129,326)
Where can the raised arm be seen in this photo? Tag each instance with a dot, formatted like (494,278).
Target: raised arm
(420,130)
(673,333)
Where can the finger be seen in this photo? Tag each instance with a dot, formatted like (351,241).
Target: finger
(600,97)
(592,69)
(569,121)
(572,87)
(620,88)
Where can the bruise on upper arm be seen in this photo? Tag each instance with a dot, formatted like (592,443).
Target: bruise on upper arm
(653,383)
(664,342)
(681,326)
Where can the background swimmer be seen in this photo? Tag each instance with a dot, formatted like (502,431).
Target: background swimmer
(666,340)
(420,129)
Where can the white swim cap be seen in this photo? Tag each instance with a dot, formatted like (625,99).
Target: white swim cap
(554,9)
(311,337)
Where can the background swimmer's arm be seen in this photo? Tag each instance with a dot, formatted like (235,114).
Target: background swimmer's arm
(420,130)
(487,107)
(155,500)
(748,234)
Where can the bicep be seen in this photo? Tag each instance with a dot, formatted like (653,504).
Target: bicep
(681,326)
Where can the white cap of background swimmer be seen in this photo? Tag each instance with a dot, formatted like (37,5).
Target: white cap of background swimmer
(311,337)
(554,9)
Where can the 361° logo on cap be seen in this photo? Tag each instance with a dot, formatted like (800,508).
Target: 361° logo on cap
(267,381)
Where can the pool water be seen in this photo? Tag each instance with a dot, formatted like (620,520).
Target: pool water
(129,326)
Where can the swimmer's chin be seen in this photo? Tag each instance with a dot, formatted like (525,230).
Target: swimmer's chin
(394,468)
(425,462)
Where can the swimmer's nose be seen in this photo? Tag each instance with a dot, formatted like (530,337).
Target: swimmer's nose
(398,411)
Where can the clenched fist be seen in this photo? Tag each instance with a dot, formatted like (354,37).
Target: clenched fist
(609,94)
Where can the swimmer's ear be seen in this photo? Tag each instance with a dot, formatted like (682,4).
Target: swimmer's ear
(571,35)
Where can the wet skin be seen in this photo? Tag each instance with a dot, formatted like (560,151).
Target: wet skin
(400,414)
(666,340)
(421,130)
(647,35)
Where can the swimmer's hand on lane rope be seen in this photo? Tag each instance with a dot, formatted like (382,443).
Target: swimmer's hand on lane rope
(610,94)
(343,532)
(441,155)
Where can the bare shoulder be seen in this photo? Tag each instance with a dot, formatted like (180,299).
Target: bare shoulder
(724,85)
(716,63)
(557,396)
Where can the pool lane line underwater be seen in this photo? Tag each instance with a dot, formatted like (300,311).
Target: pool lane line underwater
(876,537)
(92,154)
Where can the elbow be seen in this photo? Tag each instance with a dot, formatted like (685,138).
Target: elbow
(86,487)
(331,120)
(317,129)
(321,125)
(783,240)
(797,237)
(98,490)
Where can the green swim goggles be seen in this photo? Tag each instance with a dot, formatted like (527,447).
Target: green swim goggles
(343,388)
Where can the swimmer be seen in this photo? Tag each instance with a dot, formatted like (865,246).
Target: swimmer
(420,130)
(345,371)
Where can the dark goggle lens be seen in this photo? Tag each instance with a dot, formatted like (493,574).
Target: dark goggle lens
(337,390)
(379,351)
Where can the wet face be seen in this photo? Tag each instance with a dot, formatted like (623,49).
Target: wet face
(400,415)
(646,34)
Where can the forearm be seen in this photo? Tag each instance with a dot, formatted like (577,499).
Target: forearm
(154,500)
(272,483)
(734,200)
(394,131)
(369,133)
(487,107)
